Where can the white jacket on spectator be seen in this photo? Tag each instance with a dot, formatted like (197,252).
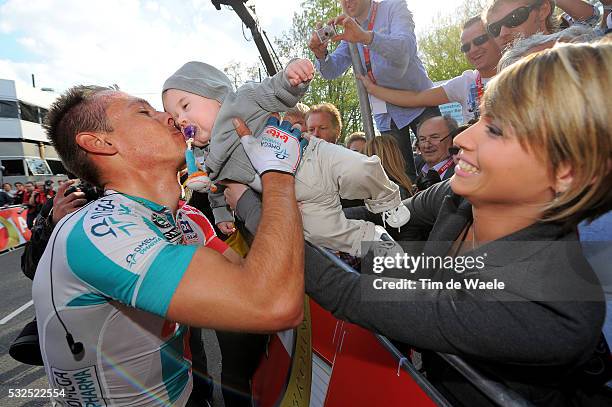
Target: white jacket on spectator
(329,172)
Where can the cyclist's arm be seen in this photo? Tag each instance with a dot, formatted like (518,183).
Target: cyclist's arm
(266,292)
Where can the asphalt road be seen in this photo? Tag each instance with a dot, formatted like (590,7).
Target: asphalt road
(15,292)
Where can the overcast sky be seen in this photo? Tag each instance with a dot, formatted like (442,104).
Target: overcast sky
(137,43)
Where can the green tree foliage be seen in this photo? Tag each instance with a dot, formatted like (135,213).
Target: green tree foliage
(471,8)
(440,50)
(342,91)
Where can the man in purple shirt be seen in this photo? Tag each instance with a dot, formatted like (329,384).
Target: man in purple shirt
(384,34)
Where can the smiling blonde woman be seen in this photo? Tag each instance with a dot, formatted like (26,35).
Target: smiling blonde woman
(555,107)
(536,164)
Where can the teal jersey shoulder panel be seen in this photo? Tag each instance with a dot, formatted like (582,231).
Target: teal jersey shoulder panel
(92,266)
(162,278)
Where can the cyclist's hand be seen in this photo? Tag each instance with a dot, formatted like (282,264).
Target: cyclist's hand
(277,148)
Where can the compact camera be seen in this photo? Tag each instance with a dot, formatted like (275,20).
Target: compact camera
(326,33)
(91,192)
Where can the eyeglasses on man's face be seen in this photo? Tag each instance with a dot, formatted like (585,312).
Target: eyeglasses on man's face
(478,41)
(513,19)
(433,140)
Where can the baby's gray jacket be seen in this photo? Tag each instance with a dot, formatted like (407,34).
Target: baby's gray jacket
(253,103)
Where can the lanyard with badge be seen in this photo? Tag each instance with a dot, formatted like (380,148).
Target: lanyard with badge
(446,166)
(479,94)
(366,50)
(378,106)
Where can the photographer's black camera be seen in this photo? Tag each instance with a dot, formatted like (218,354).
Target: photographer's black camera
(91,192)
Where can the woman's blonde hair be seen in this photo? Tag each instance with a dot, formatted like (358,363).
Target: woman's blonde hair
(388,150)
(558,102)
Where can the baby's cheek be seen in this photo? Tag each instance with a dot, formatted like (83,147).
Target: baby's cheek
(202,138)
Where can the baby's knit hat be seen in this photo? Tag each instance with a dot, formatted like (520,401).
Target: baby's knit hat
(201,79)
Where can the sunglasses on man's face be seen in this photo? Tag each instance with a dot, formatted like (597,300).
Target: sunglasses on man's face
(478,41)
(515,18)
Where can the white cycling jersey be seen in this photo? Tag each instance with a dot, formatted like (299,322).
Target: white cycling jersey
(115,266)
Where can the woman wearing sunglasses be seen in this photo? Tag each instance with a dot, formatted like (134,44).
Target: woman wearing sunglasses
(535,165)
(509,19)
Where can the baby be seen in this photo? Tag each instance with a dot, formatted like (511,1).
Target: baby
(200,95)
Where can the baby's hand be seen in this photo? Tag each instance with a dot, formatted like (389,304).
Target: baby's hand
(299,71)
(226,227)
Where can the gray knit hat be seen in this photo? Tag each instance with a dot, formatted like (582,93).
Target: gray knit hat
(201,79)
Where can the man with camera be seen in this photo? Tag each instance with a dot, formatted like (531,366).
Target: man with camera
(434,139)
(384,34)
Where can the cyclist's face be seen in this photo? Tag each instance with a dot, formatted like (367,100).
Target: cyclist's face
(142,136)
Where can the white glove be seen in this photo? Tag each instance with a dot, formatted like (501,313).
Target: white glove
(276,148)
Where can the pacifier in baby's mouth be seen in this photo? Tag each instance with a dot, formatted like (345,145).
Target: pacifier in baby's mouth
(189,132)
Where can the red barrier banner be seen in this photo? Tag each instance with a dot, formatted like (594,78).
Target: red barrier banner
(13,227)
(348,367)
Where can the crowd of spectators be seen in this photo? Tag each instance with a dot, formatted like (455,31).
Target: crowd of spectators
(506,33)
(32,194)
(28,193)
(20,193)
